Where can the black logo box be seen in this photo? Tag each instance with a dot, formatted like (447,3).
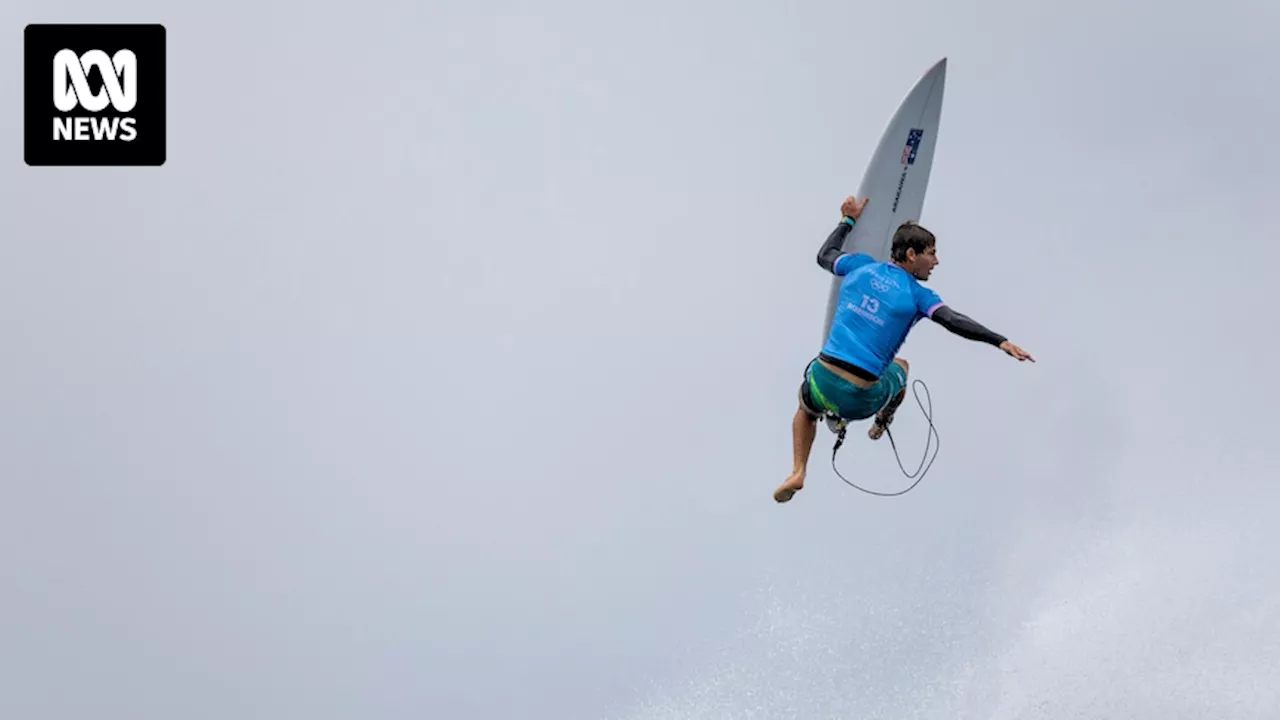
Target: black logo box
(42,42)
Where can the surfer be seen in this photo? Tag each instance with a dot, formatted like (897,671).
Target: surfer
(858,374)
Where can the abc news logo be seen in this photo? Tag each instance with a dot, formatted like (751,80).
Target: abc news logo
(108,101)
(71,90)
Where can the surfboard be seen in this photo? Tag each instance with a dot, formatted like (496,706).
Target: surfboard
(897,175)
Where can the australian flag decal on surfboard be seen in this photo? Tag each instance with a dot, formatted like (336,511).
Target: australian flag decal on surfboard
(913,144)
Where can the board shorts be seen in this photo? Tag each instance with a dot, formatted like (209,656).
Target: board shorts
(824,392)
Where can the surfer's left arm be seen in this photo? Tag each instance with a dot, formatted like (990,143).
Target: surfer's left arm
(832,258)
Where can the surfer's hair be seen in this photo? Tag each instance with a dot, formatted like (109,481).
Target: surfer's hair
(910,236)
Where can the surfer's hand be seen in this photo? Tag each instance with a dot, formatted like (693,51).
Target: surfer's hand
(1016,352)
(852,208)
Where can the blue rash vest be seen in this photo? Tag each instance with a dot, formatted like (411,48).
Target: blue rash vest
(877,306)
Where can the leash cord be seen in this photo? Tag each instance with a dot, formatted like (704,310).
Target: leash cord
(921,470)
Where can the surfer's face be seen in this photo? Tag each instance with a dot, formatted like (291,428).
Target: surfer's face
(922,264)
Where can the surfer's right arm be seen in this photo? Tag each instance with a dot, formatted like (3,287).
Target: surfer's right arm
(834,260)
(968,328)
(930,305)
(964,326)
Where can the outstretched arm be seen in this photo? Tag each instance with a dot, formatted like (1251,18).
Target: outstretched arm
(965,326)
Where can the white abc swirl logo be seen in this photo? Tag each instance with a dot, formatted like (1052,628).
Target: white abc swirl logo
(119,80)
(119,89)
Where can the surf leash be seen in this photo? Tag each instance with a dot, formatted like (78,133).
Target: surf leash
(921,470)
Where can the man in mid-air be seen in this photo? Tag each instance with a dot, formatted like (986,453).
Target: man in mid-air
(858,374)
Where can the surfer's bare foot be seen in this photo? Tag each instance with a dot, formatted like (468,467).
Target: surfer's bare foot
(803,428)
(878,427)
(786,490)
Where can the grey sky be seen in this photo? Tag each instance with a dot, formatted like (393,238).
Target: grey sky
(447,367)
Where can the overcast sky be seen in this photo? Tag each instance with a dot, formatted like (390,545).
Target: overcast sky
(446,370)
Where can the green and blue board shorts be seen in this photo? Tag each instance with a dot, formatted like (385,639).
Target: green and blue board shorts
(824,392)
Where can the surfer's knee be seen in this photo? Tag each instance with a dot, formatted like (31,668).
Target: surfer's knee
(906,368)
(807,405)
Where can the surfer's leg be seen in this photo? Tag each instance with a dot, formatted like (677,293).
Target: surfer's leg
(895,382)
(804,428)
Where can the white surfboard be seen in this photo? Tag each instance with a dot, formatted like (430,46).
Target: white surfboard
(897,177)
